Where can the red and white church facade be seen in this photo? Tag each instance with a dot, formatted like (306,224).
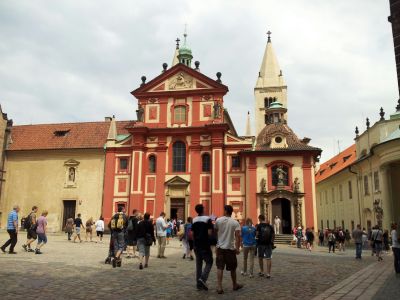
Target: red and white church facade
(183,149)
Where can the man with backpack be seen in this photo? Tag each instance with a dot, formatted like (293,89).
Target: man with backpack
(118,228)
(30,226)
(265,237)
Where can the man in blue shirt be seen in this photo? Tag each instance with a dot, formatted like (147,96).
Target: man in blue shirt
(12,229)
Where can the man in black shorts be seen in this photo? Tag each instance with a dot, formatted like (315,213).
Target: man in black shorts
(265,236)
(30,225)
(228,246)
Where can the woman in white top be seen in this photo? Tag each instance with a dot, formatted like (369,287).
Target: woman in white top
(100,228)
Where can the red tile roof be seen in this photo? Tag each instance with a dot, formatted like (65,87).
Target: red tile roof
(86,135)
(336,164)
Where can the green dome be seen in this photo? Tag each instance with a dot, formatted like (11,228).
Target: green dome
(185,51)
(275,104)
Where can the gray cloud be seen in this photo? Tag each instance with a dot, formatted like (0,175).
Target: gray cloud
(77,61)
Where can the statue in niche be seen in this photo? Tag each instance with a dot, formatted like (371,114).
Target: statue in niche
(296,185)
(140,113)
(217,110)
(71,174)
(281,175)
(263,184)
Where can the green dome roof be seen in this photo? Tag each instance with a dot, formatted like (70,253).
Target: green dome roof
(276,104)
(184,50)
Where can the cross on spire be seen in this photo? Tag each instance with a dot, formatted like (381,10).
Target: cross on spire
(177,43)
(269,36)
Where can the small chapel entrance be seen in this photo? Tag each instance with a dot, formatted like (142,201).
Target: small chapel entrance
(69,211)
(281,207)
(177,210)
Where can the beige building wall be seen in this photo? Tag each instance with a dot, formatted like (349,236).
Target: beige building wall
(41,178)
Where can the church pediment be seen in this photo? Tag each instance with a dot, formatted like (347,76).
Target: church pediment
(179,78)
(177,181)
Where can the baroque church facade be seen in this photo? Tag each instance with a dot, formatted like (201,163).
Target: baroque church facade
(181,150)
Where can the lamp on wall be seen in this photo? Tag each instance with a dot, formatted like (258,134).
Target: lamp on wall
(80,202)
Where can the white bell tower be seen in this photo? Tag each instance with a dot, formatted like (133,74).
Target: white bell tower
(270,86)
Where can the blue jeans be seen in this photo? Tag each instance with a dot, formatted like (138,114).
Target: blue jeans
(206,255)
(358,250)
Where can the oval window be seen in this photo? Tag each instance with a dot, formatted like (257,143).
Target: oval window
(278,140)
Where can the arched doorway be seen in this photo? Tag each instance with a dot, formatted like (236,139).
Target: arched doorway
(281,207)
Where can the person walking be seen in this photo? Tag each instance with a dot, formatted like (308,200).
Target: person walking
(310,238)
(118,228)
(12,230)
(386,246)
(187,239)
(161,227)
(145,238)
(78,224)
(321,237)
(277,225)
(265,237)
(202,231)
(41,231)
(331,241)
(30,226)
(396,248)
(341,238)
(69,227)
(249,246)
(99,225)
(299,236)
(89,229)
(131,233)
(358,240)
(377,240)
(228,246)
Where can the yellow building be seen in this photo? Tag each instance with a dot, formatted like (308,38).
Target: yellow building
(361,184)
(58,167)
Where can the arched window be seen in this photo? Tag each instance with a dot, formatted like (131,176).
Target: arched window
(205,162)
(180,113)
(179,157)
(152,164)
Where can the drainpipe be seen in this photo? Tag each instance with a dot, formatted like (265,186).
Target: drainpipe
(358,196)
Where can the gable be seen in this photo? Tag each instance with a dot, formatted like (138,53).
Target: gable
(180,78)
(180,81)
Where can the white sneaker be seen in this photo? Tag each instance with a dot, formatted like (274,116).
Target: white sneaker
(243,273)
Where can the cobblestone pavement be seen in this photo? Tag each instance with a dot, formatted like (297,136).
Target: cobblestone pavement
(77,271)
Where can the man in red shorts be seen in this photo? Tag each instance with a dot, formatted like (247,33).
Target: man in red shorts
(228,246)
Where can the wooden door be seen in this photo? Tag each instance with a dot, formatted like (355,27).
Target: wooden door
(178,208)
(69,211)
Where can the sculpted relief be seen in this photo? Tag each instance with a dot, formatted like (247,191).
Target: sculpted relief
(181,81)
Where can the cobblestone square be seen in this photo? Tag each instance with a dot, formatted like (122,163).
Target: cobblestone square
(69,270)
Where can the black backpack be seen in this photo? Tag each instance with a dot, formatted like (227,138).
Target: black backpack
(28,222)
(265,236)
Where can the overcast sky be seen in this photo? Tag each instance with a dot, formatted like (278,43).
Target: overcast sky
(71,61)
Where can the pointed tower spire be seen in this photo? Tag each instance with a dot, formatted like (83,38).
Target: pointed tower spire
(270,87)
(175,59)
(185,53)
(248,126)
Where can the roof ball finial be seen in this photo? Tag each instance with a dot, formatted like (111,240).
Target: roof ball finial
(143,80)
(197,64)
(367,123)
(219,77)
(269,36)
(357,132)
(382,114)
(164,66)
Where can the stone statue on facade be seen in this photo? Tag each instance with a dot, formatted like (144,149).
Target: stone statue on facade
(71,174)
(217,110)
(296,185)
(181,82)
(281,175)
(263,183)
(140,113)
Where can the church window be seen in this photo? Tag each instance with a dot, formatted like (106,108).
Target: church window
(278,140)
(205,163)
(326,197)
(350,191)
(179,157)
(123,164)
(366,188)
(152,164)
(268,101)
(280,175)
(180,114)
(376,181)
(333,196)
(236,162)
(340,192)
